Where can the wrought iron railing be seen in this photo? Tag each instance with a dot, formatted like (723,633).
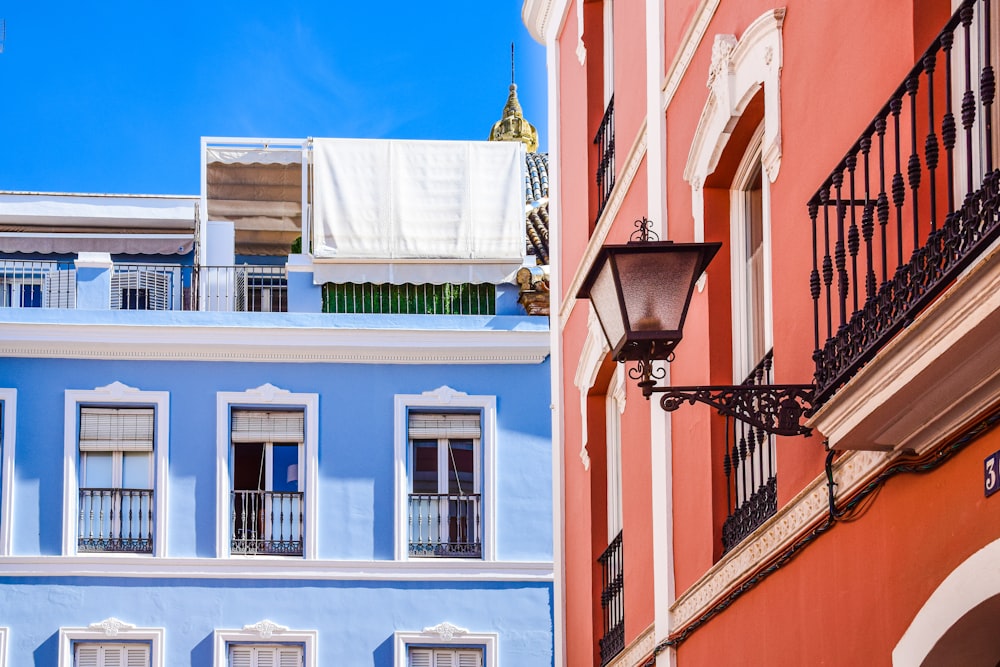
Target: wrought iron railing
(246,288)
(445,525)
(605,142)
(612,600)
(749,466)
(118,520)
(887,243)
(147,287)
(266,522)
(37,284)
(410,299)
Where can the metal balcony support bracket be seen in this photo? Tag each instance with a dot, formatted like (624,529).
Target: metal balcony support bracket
(775,408)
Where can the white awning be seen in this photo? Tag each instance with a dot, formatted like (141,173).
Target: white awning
(116,244)
(417,211)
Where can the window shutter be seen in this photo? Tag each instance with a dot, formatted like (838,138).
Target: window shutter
(266,656)
(444,658)
(268,426)
(241,656)
(421,657)
(116,429)
(113,656)
(436,425)
(289,656)
(88,655)
(137,656)
(470,658)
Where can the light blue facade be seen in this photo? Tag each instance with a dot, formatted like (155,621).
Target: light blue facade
(354,587)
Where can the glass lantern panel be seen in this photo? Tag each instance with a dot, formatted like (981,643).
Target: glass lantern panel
(656,286)
(604,297)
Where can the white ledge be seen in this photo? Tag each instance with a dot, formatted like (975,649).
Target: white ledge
(931,379)
(274,568)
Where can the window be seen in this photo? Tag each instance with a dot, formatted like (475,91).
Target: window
(115,483)
(445,645)
(265,644)
(444,481)
(267,443)
(445,657)
(615,400)
(266,503)
(444,474)
(111,643)
(8,421)
(94,654)
(264,655)
(116,475)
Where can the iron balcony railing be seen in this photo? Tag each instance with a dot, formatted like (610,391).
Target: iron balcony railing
(888,239)
(605,142)
(750,470)
(445,525)
(117,520)
(266,522)
(612,600)
(246,288)
(37,284)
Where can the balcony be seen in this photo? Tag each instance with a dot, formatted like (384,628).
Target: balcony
(903,262)
(116,520)
(266,523)
(605,142)
(612,600)
(445,525)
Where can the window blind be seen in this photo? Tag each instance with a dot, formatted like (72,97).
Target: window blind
(445,657)
(268,426)
(430,425)
(116,429)
(247,655)
(93,654)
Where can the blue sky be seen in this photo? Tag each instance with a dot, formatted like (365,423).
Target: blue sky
(114,96)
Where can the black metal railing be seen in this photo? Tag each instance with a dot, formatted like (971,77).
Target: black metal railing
(887,243)
(749,466)
(117,520)
(37,284)
(445,525)
(266,522)
(605,142)
(246,288)
(612,600)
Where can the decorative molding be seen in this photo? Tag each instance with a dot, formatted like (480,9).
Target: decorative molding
(595,348)
(446,631)
(791,522)
(64,340)
(267,393)
(621,187)
(117,391)
(111,627)
(537,17)
(636,653)
(444,395)
(8,404)
(581,48)
(689,44)
(265,629)
(740,67)
(277,567)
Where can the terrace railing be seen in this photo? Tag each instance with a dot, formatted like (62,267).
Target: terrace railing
(266,522)
(911,205)
(605,142)
(612,600)
(37,284)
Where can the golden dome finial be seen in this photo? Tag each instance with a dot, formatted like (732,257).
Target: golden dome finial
(513,126)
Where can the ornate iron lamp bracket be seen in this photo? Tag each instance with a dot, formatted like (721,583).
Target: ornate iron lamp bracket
(775,408)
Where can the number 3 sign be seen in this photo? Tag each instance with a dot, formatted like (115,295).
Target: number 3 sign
(991,470)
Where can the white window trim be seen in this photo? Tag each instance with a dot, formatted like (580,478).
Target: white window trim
(115,393)
(3,647)
(615,408)
(111,630)
(9,399)
(265,632)
(446,397)
(742,361)
(265,396)
(447,635)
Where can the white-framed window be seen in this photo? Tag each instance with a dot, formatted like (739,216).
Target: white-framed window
(8,429)
(446,645)
(115,470)
(265,644)
(267,443)
(609,50)
(445,442)
(111,643)
(3,647)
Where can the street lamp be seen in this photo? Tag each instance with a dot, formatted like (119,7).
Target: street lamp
(640,292)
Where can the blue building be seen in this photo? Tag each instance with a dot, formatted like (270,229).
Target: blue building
(301,419)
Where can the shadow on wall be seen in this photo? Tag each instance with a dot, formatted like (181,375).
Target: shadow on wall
(47,653)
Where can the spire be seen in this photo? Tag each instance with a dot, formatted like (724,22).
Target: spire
(512,126)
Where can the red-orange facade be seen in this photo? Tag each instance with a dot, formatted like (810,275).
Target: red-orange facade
(844,155)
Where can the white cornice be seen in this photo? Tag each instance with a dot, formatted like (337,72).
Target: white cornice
(274,568)
(272,344)
(538,15)
(692,39)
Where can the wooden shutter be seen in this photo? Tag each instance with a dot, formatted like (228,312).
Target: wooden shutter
(426,425)
(136,656)
(445,657)
(268,426)
(470,658)
(248,655)
(289,656)
(116,429)
(421,657)
(93,654)
(88,655)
